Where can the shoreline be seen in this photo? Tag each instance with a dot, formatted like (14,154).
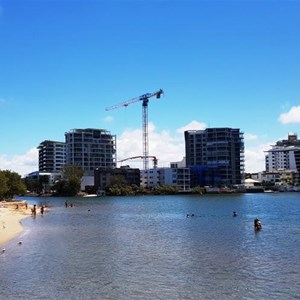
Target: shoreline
(11,215)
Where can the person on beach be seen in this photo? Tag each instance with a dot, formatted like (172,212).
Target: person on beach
(42,209)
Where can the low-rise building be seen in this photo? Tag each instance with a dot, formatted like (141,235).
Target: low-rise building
(277,178)
(47,179)
(150,178)
(103,177)
(177,177)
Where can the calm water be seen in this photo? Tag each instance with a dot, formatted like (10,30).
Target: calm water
(146,248)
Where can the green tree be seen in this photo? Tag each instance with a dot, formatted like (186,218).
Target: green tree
(33,185)
(58,187)
(67,187)
(198,190)
(69,171)
(15,186)
(124,190)
(72,187)
(70,183)
(165,190)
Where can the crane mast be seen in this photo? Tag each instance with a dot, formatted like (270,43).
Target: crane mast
(145,135)
(145,99)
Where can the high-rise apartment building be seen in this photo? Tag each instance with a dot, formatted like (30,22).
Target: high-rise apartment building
(284,155)
(90,148)
(52,156)
(215,156)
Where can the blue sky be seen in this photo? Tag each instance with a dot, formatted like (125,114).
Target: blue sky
(220,63)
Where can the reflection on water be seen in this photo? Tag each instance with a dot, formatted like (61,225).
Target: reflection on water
(146,248)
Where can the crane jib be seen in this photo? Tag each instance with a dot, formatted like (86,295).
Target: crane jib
(137,99)
(145,99)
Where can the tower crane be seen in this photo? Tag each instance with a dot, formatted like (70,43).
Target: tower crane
(149,156)
(145,99)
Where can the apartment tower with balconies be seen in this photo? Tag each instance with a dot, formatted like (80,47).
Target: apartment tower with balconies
(90,149)
(215,156)
(52,156)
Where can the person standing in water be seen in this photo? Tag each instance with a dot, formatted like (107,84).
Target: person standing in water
(257,224)
(33,210)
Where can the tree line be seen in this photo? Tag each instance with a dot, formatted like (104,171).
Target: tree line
(69,184)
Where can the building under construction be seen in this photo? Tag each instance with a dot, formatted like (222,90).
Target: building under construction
(215,156)
(90,149)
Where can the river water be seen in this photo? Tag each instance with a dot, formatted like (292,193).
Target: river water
(147,248)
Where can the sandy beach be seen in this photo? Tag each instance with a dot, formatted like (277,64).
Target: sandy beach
(11,215)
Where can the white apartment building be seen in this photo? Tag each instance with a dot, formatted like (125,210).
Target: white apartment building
(174,176)
(285,155)
(52,156)
(90,149)
(281,158)
(150,178)
(177,177)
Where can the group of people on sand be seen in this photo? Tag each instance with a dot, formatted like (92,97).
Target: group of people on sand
(22,206)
